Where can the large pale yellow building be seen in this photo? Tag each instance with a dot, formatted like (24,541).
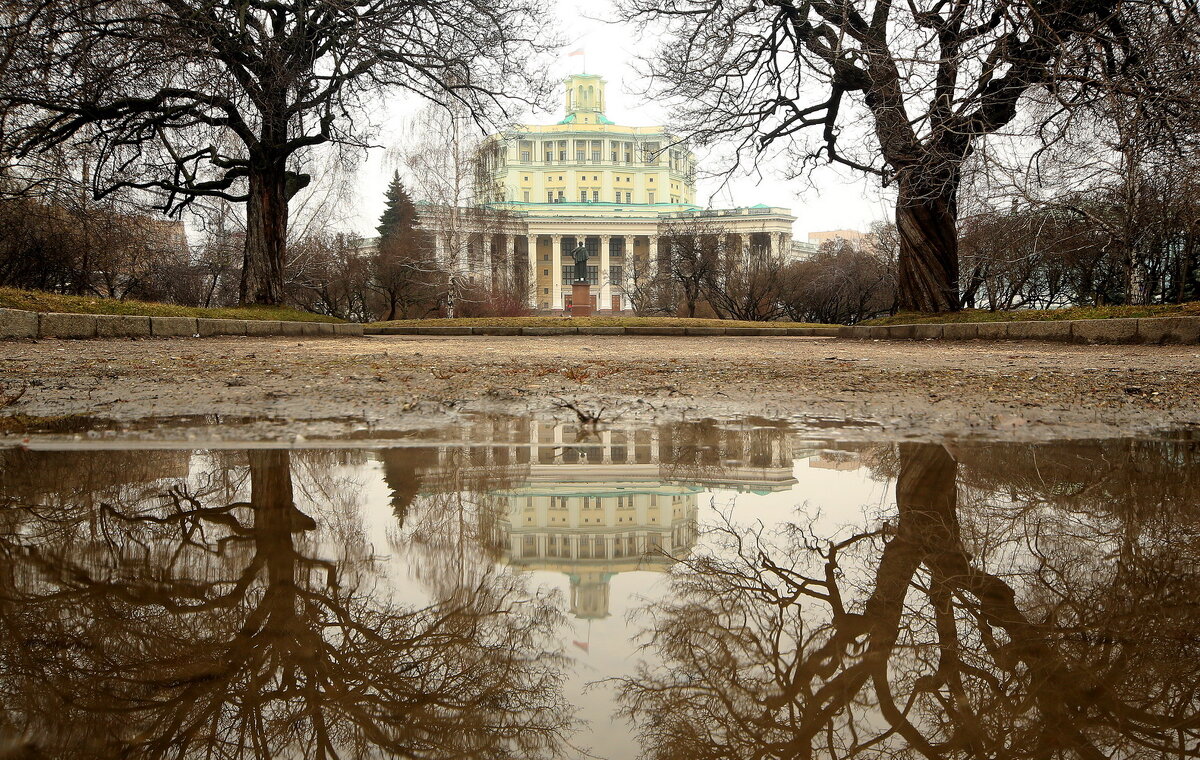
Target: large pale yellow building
(616,189)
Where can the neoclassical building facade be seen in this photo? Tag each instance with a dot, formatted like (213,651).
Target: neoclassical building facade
(621,191)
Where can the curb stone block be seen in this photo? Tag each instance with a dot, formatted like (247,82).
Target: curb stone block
(444,330)
(899,332)
(262,327)
(926,332)
(759,332)
(173,327)
(815,332)
(602,331)
(960,331)
(704,331)
(209,327)
(991,330)
(122,326)
(54,325)
(655,331)
(1185,330)
(496,330)
(348,328)
(291,329)
(1050,330)
(317,328)
(876,332)
(390,330)
(849,332)
(15,323)
(1104,330)
(549,330)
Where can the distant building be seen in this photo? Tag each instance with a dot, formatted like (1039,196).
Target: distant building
(853,237)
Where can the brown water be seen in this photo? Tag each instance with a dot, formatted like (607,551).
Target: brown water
(518,590)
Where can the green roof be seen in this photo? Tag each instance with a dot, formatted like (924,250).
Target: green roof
(600,119)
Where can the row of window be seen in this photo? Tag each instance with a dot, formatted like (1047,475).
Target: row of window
(593,196)
(593,151)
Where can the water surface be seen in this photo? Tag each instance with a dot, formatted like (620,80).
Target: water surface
(520,589)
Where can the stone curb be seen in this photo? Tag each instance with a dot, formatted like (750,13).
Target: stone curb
(1154,330)
(17,324)
(173,327)
(120,326)
(53,325)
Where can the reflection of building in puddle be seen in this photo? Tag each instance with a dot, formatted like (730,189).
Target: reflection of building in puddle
(592,525)
(595,504)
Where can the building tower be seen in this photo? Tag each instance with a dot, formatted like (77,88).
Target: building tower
(584,94)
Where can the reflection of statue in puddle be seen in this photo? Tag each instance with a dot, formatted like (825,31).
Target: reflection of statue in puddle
(1004,629)
(247,628)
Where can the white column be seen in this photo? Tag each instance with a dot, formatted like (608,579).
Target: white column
(556,299)
(604,300)
(531,247)
(626,262)
(510,259)
(606,443)
(653,255)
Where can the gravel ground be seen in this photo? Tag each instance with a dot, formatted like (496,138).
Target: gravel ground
(846,388)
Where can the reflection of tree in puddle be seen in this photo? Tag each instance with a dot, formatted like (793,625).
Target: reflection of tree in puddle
(1043,622)
(177,628)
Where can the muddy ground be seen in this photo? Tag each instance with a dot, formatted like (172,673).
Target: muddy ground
(332,386)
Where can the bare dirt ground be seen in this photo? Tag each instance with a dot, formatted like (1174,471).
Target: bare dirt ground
(331,386)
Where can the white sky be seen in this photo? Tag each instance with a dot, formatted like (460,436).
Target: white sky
(834,199)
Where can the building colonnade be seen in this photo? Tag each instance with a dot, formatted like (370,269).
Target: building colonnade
(539,264)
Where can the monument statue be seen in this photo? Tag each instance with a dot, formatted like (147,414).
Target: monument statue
(580,255)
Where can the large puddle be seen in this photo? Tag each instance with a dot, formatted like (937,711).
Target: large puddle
(514,589)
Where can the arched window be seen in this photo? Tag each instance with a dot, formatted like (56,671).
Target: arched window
(591,101)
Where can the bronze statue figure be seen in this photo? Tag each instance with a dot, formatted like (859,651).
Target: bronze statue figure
(580,254)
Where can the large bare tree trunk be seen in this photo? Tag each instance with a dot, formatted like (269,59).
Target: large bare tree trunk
(928,226)
(266,239)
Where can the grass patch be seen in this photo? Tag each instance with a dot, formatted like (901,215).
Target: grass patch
(36,300)
(1042,315)
(549,321)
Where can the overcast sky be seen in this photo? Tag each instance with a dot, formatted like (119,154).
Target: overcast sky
(835,200)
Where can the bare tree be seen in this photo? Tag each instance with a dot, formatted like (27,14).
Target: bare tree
(646,286)
(688,257)
(213,99)
(447,167)
(907,92)
(748,281)
(842,283)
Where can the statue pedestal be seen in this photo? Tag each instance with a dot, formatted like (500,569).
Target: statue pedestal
(581,300)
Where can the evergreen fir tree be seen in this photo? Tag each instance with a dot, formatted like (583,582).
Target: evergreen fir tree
(402,270)
(399,215)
